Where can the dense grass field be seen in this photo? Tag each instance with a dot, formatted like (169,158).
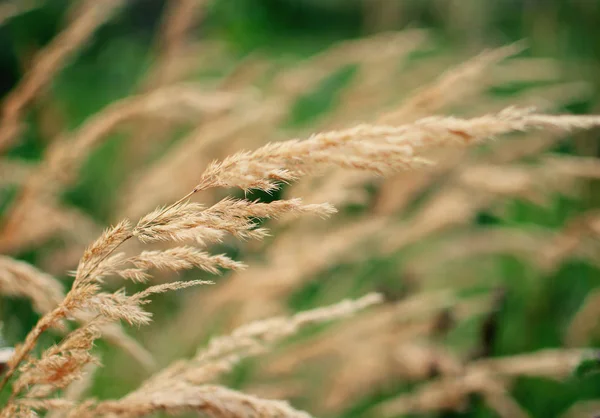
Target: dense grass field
(468,219)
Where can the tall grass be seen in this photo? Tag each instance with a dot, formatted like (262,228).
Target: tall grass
(388,177)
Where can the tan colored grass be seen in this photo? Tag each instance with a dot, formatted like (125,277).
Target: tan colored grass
(174,36)
(398,340)
(209,400)
(179,17)
(255,121)
(76,390)
(482,377)
(45,65)
(375,148)
(451,206)
(191,155)
(65,362)
(253,338)
(291,260)
(12,9)
(23,280)
(13,172)
(180,387)
(20,279)
(63,159)
(455,84)
(394,342)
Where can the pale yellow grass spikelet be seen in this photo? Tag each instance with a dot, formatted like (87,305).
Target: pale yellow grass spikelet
(391,342)
(50,320)
(373,148)
(293,259)
(178,258)
(23,280)
(273,329)
(222,353)
(119,306)
(116,335)
(141,297)
(166,223)
(98,260)
(211,401)
(285,161)
(63,159)
(94,256)
(245,208)
(74,392)
(178,388)
(59,365)
(233,216)
(191,154)
(187,220)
